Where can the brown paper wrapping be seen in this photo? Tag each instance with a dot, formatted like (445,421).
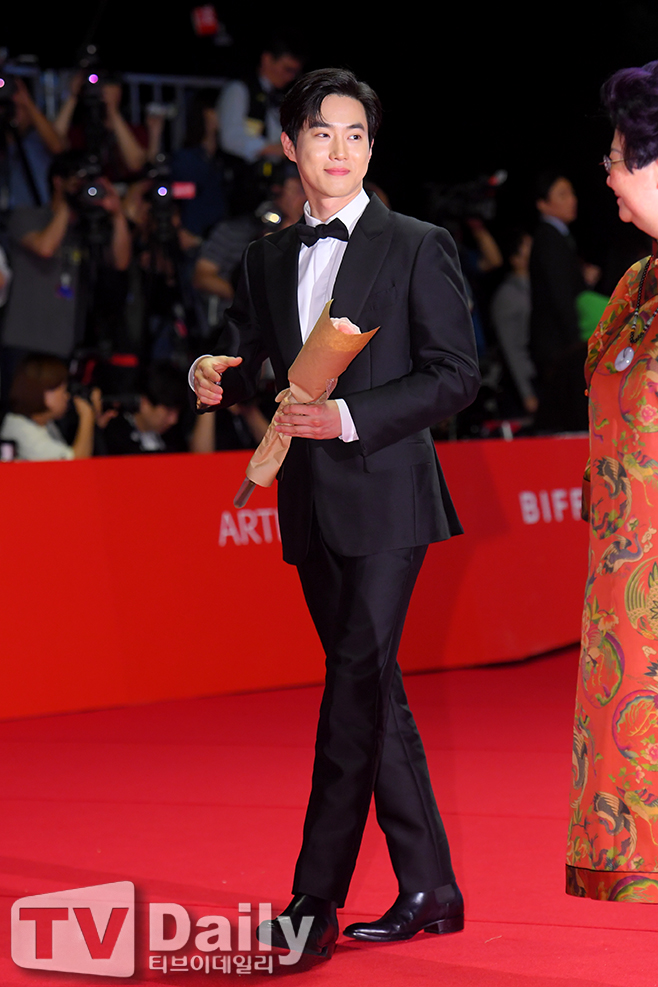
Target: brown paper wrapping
(324,356)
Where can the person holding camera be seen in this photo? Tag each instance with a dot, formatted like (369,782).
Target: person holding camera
(49,301)
(30,141)
(150,425)
(39,396)
(90,120)
(218,264)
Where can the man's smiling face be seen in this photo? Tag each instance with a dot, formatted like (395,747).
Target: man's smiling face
(332,155)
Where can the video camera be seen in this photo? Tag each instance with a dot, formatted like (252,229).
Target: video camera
(162,196)
(469,200)
(91,103)
(7,90)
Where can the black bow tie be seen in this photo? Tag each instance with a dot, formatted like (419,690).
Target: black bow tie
(311,234)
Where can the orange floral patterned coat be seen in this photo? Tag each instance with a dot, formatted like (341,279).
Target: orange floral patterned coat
(612,851)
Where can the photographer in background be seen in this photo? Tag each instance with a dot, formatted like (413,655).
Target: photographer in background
(39,396)
(90,120)
(218,264)
(59,255)
(249,124)
(510,315)
(161,312)
(27,143)
(150,426)
(201,162)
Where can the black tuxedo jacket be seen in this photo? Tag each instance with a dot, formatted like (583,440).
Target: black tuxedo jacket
(386,490)
(556,280)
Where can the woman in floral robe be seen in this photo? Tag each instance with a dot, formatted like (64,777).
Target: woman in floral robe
(613,832)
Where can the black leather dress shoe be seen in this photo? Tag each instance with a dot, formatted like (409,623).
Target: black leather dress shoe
(412,913)
(323,933)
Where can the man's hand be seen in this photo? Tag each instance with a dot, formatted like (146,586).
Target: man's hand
(208,375)
(84,408)
(110,201)
(112,97)
(309,421)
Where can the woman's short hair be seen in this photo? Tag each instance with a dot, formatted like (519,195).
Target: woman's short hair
(36,374)
(630,97)
(303,104)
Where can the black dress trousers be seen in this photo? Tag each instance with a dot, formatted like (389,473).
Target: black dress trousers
(367,740)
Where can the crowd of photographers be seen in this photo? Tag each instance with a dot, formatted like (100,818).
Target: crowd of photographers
(118,261)
(118,264)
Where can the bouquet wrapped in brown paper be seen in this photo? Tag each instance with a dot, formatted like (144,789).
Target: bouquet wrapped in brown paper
(328,351)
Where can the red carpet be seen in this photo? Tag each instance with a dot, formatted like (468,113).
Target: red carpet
(201,802)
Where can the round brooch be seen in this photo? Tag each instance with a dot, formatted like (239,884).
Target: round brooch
(624,358)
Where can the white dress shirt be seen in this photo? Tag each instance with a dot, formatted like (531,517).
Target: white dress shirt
(317,270)
(559,225)
(316,276)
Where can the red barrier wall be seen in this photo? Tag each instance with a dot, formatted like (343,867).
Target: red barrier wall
(135,580)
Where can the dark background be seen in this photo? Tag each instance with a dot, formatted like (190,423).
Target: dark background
(464,93)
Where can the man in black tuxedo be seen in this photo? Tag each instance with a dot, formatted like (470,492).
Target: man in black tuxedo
(361,494)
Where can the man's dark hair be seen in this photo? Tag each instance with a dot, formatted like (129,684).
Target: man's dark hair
(630,97)
(302,106)
(512,242)
(162,383)
(65,165)
(545,181)
(279,47)
(36,374)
